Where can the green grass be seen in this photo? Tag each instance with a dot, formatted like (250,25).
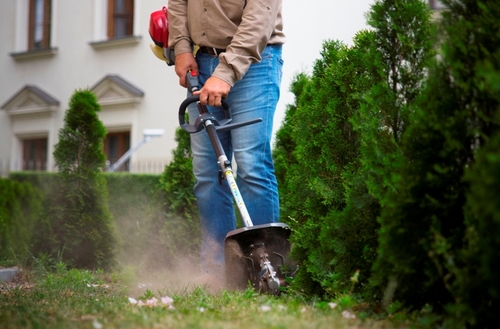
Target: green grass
(72,298)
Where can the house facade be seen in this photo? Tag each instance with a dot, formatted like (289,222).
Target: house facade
(50,48)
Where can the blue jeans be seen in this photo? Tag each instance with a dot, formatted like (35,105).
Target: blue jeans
(255,96)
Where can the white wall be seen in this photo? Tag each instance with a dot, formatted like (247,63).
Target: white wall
(307,24)
(78,65)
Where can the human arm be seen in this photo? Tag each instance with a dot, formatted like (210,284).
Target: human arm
(242,27)
(180,40)
(260,24)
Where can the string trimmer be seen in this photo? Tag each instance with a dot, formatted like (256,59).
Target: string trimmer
(255,254)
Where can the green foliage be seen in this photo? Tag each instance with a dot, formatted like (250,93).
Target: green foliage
(283,157)
(472,54)
(19,206)
(136,203)
(346,130)
(181,230)
(313,187)
(397,62)
(80,223)
(288,175)
(477,285)
(426,195)
(438,240)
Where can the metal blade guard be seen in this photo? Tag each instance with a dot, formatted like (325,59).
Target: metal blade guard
(257,255)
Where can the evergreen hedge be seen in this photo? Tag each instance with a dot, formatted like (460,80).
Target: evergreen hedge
(136,203)
(426,172)
(346,128)
(155,217)
(19,206)
(440,238)
(325,148)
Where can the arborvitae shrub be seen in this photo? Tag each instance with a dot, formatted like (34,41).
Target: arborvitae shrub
(347,126)
(477,287)
(80,223)
(426,199)
(324,147)
(438,242)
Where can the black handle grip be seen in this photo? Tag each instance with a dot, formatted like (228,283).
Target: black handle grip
(198,126)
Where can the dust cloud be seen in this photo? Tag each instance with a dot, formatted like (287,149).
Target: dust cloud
(164,261)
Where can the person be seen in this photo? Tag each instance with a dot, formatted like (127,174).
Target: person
(239,59)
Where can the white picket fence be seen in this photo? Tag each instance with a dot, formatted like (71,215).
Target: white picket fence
(148,166)
(143,166)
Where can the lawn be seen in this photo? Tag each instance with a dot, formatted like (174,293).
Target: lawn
(70,298)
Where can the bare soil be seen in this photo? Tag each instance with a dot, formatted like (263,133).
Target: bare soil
(22,280)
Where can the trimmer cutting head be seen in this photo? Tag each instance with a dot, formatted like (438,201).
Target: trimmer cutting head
(257,255)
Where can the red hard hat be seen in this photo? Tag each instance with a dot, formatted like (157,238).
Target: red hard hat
(158,27)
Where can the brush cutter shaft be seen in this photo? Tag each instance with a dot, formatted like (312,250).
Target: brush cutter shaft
(211,125)
(245,216)
(215,141)
(225,167)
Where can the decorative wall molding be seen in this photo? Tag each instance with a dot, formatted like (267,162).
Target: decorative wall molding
(30,100)
(117,42)
(34,54)
(114,90)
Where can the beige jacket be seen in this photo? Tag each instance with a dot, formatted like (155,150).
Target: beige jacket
(242,27)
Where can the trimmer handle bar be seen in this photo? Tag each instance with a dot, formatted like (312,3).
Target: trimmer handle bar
(220,125)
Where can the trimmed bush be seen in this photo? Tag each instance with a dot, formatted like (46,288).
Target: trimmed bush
(439,240)
(155,216)
(346,128)
(80,223)
(311,177)
(137,206)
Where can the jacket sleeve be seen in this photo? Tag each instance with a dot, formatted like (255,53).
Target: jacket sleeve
(178,33)
(252,36)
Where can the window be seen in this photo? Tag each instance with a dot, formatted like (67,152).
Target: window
(115,145)
(120,18)
(35,154)
(39,24)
